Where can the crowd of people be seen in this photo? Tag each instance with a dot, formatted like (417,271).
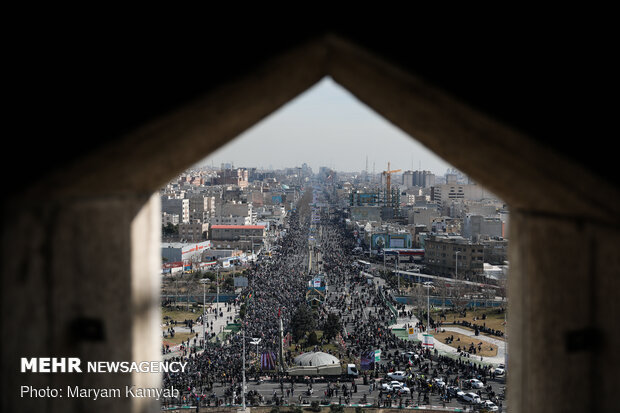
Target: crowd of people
(276,287)
(364,305)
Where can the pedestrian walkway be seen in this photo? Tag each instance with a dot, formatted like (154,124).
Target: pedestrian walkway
(442,348)
(219,326)
(501,345)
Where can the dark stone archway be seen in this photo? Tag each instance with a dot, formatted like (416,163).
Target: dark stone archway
(87,230)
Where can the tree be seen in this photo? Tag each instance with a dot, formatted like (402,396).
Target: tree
(312,339)
(332,326)
(171,229)
(302,321)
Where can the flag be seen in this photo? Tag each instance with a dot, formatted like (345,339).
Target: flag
(268,360)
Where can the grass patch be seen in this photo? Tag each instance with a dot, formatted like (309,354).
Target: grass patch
(493,319)
(487,349)
(179,338)
(179,315)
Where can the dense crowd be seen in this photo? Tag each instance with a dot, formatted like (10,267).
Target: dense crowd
(365,308)
(276,287)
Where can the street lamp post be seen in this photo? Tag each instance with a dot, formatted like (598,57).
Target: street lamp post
(428,307)
(428,304)
(217,283)
(256,341)
(243,385)
(203,281)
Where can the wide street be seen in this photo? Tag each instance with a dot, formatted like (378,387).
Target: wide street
(367,311)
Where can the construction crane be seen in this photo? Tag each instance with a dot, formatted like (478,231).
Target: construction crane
(388,181)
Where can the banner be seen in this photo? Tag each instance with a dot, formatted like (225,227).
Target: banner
(268,360)
(367,361)
(428,341)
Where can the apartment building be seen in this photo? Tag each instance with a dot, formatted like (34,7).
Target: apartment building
(454,256)
(445,193)
(176,206)
(193,231)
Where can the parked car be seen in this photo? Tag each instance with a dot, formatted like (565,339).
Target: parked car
(439,383)
(454,391)
(388,386)
(400,388)
(397,375)
(489,406)
(472,398)
(385,385)
(476,384)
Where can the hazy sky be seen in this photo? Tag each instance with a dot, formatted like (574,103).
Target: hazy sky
(326,126)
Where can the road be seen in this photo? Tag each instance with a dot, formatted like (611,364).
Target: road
(366,309)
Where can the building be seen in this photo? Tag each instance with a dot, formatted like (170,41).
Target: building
(443,252)
(422,216)
(235,209)
(445,193)
(201,207)
(230,220)
(167,218)
(475,226)
(183,251)
(176,206)
(236,232)
(243,237)
(237,177)
(193,231)
(365,213)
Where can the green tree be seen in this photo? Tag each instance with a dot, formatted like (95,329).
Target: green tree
(171,229)
(312,339)
(302,321)
(332,326)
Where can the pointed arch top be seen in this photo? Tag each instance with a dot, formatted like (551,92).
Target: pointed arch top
(512,165)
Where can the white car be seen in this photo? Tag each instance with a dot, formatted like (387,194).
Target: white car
(400,388)
(490,406)
(439,383)
(397,375)
(390,385)
(476,384)
(472,398)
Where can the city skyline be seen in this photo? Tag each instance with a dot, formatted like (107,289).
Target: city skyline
(331,128)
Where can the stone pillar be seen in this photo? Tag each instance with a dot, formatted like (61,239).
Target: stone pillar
(80,279)
(563,295)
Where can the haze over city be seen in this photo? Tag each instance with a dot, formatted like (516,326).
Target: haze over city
(326,126)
